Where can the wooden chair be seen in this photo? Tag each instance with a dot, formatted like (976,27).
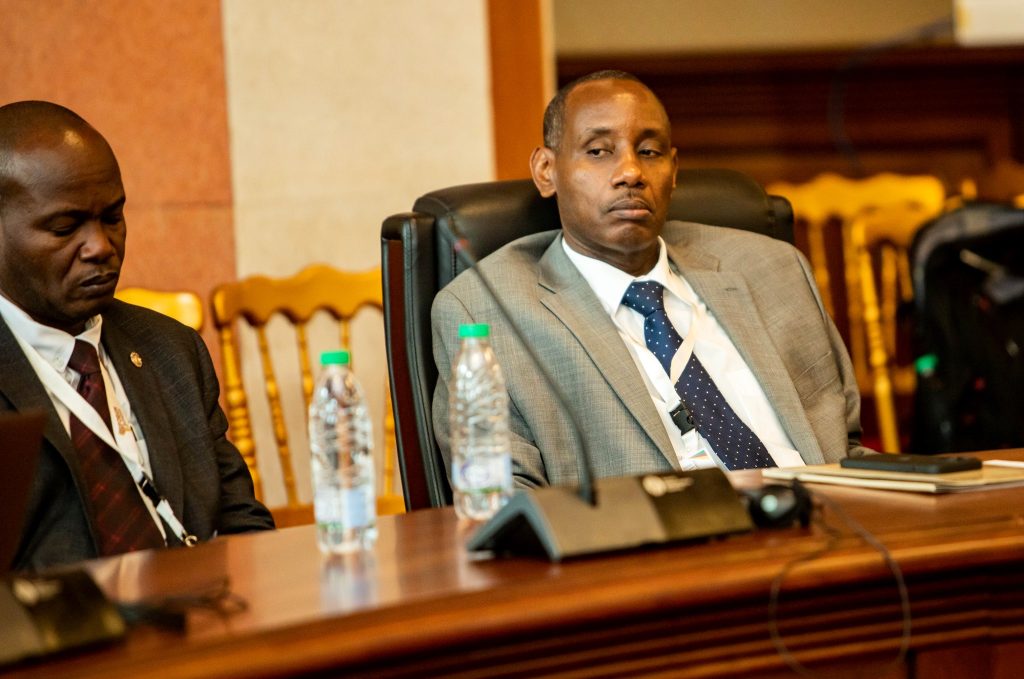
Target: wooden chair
(815,203)
(254,301)
(182,306)
(880,242)
(829,206)
(832,201)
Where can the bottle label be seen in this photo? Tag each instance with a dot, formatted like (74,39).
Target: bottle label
(490,474)
(345,507)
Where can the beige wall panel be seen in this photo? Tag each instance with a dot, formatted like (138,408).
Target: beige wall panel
(343,112)
(649,26)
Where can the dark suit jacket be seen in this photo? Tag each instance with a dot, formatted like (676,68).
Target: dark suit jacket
(174,397)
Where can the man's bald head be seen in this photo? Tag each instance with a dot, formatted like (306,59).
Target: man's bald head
(62,228)
(608,160)
(554,114)
(25,125)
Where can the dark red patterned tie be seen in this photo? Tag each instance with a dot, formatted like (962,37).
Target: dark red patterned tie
(122,521)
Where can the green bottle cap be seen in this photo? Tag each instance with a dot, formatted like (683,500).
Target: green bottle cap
(339,357)
(925,365)
(474,330)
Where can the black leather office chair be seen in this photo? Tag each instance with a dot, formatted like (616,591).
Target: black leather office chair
(418,260)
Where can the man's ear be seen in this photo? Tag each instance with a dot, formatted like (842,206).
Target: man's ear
(675,166)
(542,169)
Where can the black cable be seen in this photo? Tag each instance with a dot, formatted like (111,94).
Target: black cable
(837,91)
(833,539)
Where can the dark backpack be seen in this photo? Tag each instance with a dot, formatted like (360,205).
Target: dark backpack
(968,270)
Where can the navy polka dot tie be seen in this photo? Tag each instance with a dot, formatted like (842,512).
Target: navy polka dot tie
(734,442)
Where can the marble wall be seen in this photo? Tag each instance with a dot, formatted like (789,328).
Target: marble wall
(342,113)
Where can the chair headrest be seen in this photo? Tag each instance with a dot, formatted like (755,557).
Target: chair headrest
(492,214)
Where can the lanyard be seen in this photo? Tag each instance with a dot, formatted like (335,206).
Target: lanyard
(665,388)
(87,415)
(685,351)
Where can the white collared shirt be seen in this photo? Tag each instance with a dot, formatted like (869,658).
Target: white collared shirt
(55,347)
(712,346)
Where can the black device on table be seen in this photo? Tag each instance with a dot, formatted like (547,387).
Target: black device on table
(49,612)
(915,464)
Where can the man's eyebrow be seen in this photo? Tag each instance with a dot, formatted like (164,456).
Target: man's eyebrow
(654,132)
(647,133)
(117,204)
(595,132)
(76,213)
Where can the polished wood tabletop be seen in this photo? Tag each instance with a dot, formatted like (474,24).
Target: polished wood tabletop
(418,604)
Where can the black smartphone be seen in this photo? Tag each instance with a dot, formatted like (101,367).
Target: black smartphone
(916,464)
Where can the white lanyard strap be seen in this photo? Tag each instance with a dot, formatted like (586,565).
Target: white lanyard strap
(685,351)
(664,388)
(698,319)
(87,415)
(164,509)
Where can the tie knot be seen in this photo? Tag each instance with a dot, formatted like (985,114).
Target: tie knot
(84,359)
(646,297)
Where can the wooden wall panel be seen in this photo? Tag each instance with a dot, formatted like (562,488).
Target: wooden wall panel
(520,81)
(944,110)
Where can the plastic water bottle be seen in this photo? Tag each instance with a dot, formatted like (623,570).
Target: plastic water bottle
(478,422)
(341,443)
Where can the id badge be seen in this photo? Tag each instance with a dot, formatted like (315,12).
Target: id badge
(695,455)
(694,451)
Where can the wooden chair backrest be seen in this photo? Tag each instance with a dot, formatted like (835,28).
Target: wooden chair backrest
(182,306)
(880,242)
(254,301)
(831,199)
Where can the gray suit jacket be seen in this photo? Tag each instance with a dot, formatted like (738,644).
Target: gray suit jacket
(759,289)
(174,397)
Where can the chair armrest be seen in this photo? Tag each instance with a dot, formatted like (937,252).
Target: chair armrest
(409,274)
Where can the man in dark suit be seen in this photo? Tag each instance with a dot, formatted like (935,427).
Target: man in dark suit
(135,453)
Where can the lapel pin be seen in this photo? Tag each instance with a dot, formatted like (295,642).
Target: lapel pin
(136,359)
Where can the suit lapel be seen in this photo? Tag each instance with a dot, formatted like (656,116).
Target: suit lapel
(146,400)
(571,300)
(21,386)
(728,297)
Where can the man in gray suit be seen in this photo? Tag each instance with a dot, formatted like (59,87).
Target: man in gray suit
(135,453)
(679,345)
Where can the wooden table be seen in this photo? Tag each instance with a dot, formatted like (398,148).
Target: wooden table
(419,605)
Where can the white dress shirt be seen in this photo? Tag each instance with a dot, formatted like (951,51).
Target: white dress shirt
(711,345)
(55,347)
